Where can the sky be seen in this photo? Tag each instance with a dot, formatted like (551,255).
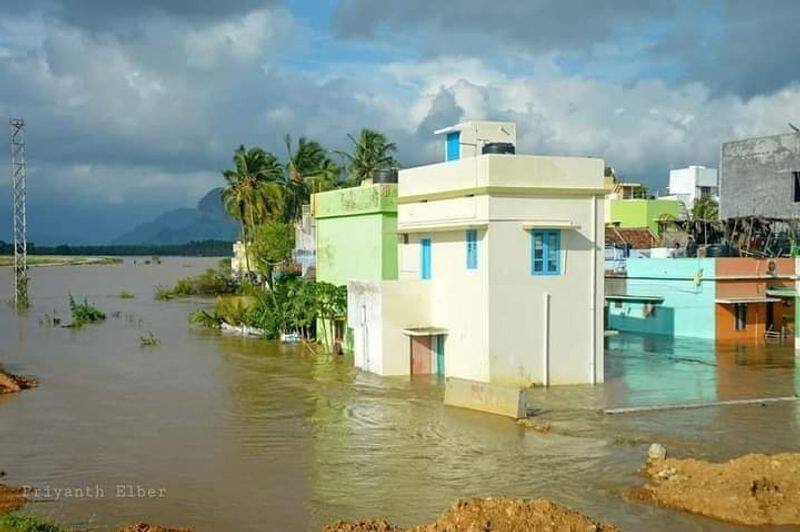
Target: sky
(132,108)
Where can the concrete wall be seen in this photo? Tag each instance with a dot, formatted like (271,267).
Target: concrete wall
(377,312)
(356,233)
(687,287)
(476,133)
(641,212)
(524,341)
(756,177)
(494,315)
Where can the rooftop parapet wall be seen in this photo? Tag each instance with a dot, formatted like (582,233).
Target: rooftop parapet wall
(355,201)
(475,175)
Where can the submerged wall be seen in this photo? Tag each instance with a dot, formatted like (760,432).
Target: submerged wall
(688,291)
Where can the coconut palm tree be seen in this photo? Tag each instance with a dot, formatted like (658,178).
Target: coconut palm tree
(704,214)
(371,152)
(253,192)
(308,170)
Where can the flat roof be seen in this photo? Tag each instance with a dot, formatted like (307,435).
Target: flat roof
(781,292)
(746,299)
(440,227)
(424,331)
(550,224)
(627,297)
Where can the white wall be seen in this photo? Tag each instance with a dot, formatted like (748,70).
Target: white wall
(518,328)
(684,183)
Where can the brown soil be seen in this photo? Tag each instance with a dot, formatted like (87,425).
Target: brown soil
(144,527)
(501,515)
(530,423)
(754,489)
(11,498)
(10,383)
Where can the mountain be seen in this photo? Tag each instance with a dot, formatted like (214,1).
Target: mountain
(206,221)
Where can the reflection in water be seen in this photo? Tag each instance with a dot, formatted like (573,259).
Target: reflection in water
(251,435)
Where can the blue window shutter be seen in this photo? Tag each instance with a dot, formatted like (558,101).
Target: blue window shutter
(546,252)
(425,257)
(472,249)
(453,146)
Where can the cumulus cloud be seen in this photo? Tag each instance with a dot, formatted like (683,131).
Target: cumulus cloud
(141,104)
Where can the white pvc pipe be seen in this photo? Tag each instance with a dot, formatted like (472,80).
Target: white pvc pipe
(593,302)
(546,340)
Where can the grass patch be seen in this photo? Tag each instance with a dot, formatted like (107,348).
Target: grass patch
(60,260)
(209,283)
(126,295)
(19,522)
(84,313)
(149,340)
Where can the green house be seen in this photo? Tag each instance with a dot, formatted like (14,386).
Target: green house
(642,212)
(356,233)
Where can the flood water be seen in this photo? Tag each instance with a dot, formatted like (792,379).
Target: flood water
(244,434)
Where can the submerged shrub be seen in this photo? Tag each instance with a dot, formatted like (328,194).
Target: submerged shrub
(126,295)
(148,340)
(205,319)
(209,283)
(83,313)
(162,293)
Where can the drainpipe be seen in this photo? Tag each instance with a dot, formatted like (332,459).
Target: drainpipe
(593,302)
(546,340)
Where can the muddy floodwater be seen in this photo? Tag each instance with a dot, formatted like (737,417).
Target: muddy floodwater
(223,433)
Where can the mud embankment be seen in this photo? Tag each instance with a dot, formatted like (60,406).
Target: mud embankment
(491,514)
(754,489)
(10,383)
(11,498)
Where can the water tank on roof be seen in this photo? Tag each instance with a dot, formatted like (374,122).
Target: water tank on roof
(498,148)
(385,175)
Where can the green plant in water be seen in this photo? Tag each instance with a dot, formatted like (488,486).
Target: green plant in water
(126,295)
(148,340)
(83,313)
(50,320)
(162,293)
(205,319)
(19,522)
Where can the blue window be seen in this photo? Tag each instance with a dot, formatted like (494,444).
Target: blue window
(425,258)
(546,252)
(453,146)
(472,249)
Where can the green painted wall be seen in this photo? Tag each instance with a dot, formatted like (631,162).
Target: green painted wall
(356,233)
(642,212)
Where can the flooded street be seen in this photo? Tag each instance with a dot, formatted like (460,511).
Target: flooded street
(243,434)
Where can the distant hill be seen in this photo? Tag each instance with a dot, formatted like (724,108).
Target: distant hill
(207,221)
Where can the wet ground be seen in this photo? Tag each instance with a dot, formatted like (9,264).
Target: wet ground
(242,434)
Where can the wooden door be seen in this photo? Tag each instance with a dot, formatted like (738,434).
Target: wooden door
(421,355)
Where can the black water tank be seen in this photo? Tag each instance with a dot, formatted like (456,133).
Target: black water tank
(385,175)
(498,148)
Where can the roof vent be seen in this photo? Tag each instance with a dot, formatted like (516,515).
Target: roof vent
(385,175)
(498,148)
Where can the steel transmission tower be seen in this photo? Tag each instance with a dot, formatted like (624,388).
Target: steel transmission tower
(17,133)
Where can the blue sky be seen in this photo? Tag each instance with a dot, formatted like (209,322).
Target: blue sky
(134,107)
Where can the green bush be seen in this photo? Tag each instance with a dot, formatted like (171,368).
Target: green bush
(205,319)
(234,310)
(83,313)
(18,522)
(209,283)
(149,340)
(126,295)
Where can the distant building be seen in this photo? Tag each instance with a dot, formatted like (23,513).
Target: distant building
(500,269)
(642,213)
(305,242)
(729,299)
(691,183)
(761,177)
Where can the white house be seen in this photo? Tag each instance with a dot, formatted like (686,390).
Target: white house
(693,182)
(500,268)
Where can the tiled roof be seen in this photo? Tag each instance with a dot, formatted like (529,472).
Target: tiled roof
(635,237)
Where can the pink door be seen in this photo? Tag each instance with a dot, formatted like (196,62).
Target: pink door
(421,355)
